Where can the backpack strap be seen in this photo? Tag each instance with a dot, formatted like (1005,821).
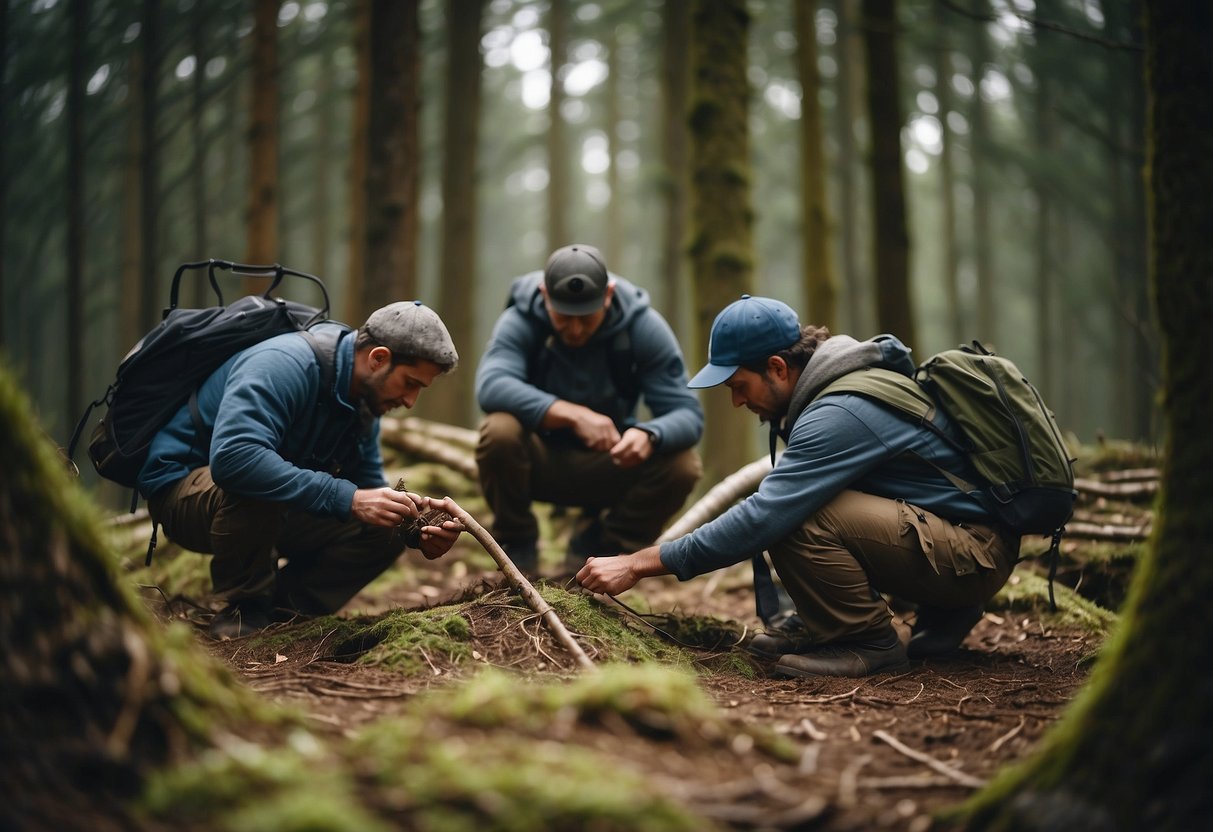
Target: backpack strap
(621,363)
(324,345)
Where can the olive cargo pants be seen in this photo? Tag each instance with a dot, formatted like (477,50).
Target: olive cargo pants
(517,467)
(859,545)
(328,560)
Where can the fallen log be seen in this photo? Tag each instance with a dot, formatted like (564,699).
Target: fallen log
(428,449)
(732,488)
(1108,531)
(453,434)
(518,580)
(1099,488)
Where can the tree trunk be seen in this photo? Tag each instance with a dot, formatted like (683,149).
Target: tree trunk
(1133,752)
(4,114)
(200,21)
(78,21)
(356,268)
(675,81)
(855,285)
(149,295)
(820,289)
(614,207)
(979,140)
(558,151)
(93,699)
(263,245)
(894,312)
(1046,143)
(322,216)
(942,56)
(452,400)
(130,313)
(722,247)
(392,181)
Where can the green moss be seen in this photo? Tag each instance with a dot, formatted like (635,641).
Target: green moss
(611,635)
(1028,592)
(402,639)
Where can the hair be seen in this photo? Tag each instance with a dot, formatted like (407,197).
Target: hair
(797,355)
(367,341)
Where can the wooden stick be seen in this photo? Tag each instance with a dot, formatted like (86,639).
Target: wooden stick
(429,449)
(454,434)
(1132,488)
(944,769)
(515,577)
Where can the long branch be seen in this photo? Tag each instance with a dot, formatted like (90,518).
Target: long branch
(520,582)
(740,483)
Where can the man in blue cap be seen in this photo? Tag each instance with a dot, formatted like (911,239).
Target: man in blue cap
(568,363)
(855,507)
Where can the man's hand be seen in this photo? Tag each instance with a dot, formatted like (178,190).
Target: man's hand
(597,431)
(385,506)
(617,574)
(436,541)
(633,448)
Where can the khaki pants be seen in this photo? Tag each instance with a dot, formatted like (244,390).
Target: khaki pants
(328,560)
(836,565)
(518,467)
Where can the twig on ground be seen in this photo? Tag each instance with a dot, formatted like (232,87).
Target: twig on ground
(524,587)
(848,782)
(947,771)
(998,743)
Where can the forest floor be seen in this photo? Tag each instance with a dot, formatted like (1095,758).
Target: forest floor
(882,752)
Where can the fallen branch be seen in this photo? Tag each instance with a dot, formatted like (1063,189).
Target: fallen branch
(732,488)
(1107,531)
(944,769)
(464,437)
(520,582)
(1131,488)
(429,449)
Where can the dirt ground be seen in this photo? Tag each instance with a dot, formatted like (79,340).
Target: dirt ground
(882,752)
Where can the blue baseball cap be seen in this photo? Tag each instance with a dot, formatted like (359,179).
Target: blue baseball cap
(746,330)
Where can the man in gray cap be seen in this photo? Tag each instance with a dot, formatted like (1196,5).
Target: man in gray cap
(277,456)
(569,360)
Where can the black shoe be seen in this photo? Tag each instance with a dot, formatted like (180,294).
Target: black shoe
(592,542)
(858,658)
(774,645)
(239,618)
(524,554)
(938,632)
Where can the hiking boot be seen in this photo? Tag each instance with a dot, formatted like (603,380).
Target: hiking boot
(937,632)
(856,658)
(239,618)
(524,554)
(773,645)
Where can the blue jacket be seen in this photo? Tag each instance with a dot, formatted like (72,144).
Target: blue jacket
(263,406)
(582,375)
(840,441)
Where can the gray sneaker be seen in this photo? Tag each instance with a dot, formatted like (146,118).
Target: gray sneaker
(856,658)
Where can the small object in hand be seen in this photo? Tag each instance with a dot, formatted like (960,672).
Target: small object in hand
(411,527)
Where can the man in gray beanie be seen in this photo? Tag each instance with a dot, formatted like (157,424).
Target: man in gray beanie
(277,457)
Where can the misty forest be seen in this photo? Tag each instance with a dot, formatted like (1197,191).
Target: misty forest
(1031,174)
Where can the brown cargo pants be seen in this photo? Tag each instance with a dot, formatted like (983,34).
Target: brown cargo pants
(327,560)
(518,467)
(835,566)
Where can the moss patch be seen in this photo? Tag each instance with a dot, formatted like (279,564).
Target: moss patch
(1028,592)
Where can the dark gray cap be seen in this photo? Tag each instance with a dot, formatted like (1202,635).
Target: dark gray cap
(410,329)
(576,280)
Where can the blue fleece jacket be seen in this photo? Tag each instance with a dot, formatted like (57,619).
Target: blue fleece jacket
(582,375)
(262,407)
(837,442)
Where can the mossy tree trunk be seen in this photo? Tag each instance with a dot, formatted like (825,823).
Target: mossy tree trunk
(94,696)
(393,150)
(557,139)
(1134,752)
(820,286)
(894,311)
(262,246)
(149,293)
(979,158)
(722,238)
(452,402)
(675,83)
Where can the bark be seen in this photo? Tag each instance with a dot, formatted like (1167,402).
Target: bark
(675,81)
(558,151)
(820,285)
(356,269)
(93,698)
(326,116)
(614,208)
(393,148)
(1132,753)
(978,142)
(149,169)
(894,312)
(78,20)
(854,286)
(263,245)
(4,333)
(942,57)
(452,401)
(1046,141)
(200,21)
(722,246)
(130,317)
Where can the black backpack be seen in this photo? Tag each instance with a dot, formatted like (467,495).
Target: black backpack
(164,370)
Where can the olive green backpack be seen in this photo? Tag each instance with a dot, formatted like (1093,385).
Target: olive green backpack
(1007,432)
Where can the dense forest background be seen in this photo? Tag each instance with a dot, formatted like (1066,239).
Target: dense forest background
(945,169)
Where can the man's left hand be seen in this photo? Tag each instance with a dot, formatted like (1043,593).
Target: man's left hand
(633,448)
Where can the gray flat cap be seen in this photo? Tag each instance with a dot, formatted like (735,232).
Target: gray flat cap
(411,329)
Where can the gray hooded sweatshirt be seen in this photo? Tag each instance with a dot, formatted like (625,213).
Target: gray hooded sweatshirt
(840,441)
